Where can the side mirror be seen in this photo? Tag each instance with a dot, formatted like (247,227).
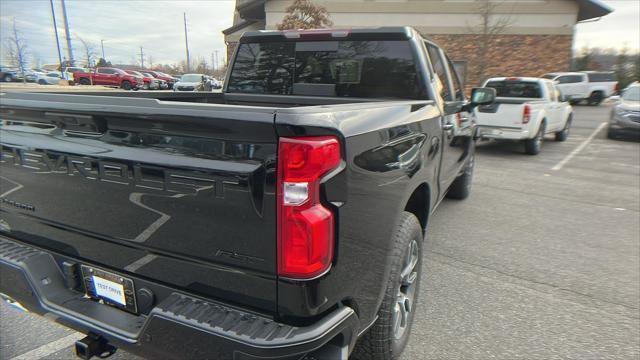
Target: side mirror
(615,98)
(480,96)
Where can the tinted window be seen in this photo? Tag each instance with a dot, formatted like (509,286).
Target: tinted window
(549,76)
(439,69)
(516,89)
(368,69)
(106,71)
(601,77)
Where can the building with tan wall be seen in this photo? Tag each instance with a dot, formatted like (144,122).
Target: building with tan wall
(523,37)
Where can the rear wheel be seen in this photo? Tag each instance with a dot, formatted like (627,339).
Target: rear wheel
(126,85)
(7,78)
(388,336)
(85,81)
(42,82)
(596,98)
(532,146)
(564,133)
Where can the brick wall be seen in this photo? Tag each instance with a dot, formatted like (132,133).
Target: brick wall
(509,55)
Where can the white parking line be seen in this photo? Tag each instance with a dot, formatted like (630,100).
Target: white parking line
(50,348)
(575,151)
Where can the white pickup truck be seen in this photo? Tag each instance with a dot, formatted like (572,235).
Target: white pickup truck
(525,109)
(591,86)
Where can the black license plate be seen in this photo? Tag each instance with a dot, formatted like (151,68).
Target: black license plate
(113,289)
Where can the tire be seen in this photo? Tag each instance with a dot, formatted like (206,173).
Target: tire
(595,98)
(85,81)
(461,186)
(564,133)
(7,78)
(42,82)
(387,338)
(532,146)
(126,85)
(611,133)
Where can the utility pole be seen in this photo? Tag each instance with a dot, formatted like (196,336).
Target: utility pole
(67,32)
(213,64)
(216,51)
(55,31)
(186,40)
(141,58)
(102,45)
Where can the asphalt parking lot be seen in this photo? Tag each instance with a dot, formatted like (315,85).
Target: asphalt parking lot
(541,262)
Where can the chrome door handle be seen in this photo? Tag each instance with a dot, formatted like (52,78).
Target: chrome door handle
(447,127)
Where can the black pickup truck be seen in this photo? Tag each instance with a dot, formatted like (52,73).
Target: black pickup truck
(284,217)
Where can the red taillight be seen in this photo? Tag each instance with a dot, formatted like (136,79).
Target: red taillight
(305,226)
(526,114)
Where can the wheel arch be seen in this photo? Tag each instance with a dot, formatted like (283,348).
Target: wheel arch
(419,204)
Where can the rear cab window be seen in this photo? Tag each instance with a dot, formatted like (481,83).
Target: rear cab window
(516,89)
(359,69)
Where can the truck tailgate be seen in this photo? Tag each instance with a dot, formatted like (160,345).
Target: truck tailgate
(505,112)
(177,193)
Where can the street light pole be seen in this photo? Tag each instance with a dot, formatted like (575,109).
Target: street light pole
(55,31)
(102,45)
(186,40)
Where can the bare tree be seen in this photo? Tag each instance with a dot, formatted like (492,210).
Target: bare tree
(36,60)
(89,54)
(490,27)
(17,50)
(304,14)
(150,61)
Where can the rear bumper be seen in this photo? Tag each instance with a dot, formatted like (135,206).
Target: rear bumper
(502,133)
(180,326)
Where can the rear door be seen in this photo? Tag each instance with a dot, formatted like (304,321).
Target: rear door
(177,193)
(455,123)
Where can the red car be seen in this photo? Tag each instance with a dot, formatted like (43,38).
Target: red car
(162,76)
(109,77)
(150,82)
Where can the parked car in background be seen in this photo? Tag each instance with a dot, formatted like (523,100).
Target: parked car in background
(148,81)
(8,74)
(625,115)
(191,82)
(162,85)
(49,78)
(162,76)
(109,76)
(525,110)
(68,72)
(590,86)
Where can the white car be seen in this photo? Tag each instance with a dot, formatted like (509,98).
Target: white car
(191,82)
(592,86)
(526,109)
(50,78)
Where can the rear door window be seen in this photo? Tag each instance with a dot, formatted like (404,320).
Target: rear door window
(364,69)
(439,67)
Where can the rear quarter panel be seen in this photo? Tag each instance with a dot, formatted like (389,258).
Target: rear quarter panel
(388,152)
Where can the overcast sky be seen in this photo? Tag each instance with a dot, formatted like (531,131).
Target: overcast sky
(157,26)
